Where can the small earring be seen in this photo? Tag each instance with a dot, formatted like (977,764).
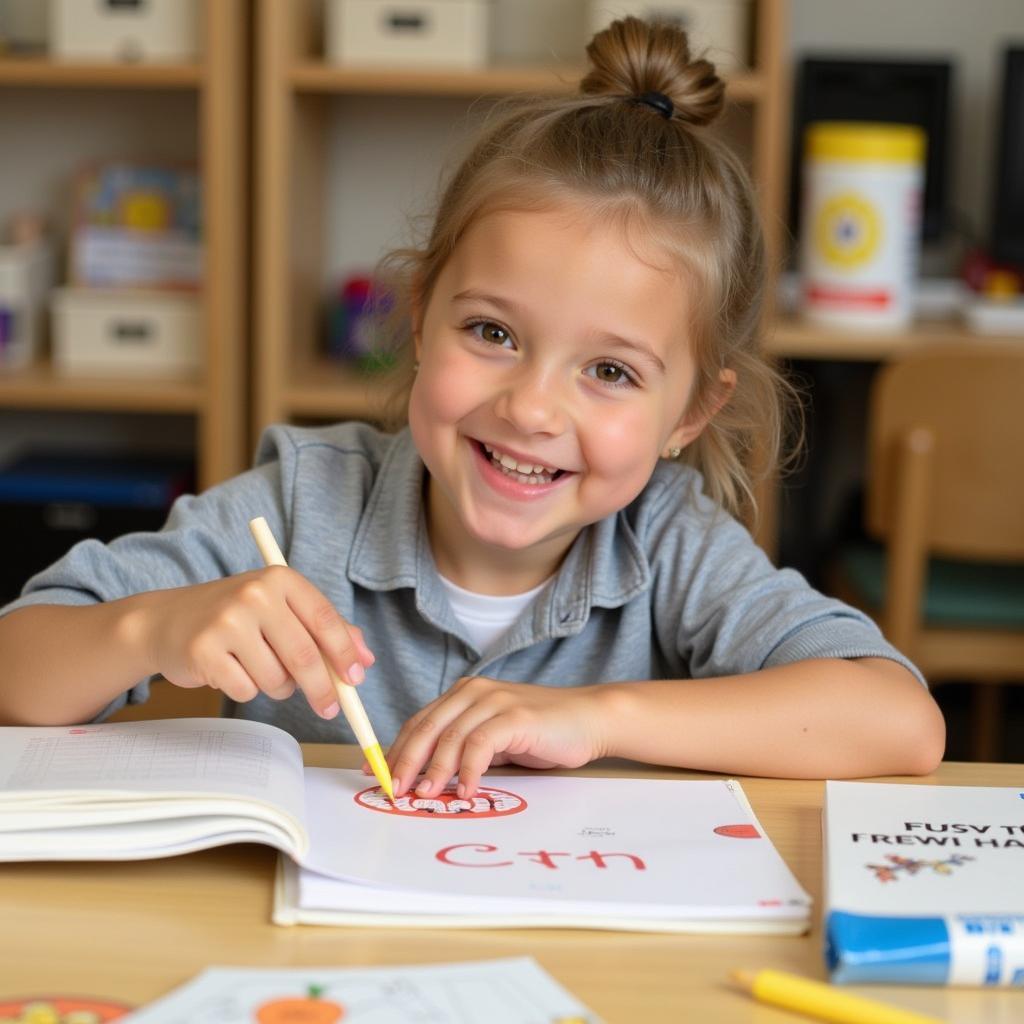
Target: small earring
(674,453)
(416,366)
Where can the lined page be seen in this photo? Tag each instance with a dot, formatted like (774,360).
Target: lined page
(190,756)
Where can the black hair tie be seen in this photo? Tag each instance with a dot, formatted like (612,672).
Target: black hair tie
(656,101)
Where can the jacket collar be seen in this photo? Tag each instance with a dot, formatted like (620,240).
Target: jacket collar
(605,567)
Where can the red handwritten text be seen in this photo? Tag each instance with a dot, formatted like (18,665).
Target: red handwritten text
(481,855)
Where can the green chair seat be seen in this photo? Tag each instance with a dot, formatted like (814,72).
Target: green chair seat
(967,594)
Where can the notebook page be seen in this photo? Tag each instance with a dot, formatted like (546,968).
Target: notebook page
(197,757)
(611,843)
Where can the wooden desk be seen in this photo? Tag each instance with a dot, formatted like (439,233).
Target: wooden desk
(132,931)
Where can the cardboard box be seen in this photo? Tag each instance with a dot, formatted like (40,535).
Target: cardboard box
(125,30)
(419,33)
(132,333)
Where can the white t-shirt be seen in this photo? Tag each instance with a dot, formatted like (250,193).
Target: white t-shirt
(485,616)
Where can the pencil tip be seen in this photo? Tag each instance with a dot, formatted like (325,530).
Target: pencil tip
(744,979)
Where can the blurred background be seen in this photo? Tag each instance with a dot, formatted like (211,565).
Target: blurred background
(193,195)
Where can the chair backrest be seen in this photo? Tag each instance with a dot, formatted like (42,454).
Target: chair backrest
(970,399)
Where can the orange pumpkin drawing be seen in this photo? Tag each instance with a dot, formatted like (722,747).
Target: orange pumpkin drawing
(308,1009)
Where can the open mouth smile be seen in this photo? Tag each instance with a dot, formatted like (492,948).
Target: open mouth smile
(525,473)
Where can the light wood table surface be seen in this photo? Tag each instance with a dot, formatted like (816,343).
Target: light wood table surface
(132,931)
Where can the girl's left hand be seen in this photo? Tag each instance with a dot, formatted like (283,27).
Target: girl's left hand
(481,722)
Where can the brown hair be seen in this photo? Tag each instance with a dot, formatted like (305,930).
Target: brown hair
(666,176)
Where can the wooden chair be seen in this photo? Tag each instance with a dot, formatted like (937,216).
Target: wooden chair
(946,497)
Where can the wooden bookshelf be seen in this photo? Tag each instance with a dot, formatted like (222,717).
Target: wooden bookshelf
(217,396)
(39,387)
(312,76)
(791,337)
(294,88)
(48,73)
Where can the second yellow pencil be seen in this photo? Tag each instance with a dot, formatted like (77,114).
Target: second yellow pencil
(823,1002)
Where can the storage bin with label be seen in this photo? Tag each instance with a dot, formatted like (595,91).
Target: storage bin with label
(419,33)
(140,333)
(125,30)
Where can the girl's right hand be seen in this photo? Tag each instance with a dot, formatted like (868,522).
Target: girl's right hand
(267,631)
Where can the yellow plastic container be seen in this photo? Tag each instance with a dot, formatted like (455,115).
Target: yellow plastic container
(861,223)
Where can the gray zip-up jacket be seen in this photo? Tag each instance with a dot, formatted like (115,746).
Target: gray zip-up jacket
(670,587)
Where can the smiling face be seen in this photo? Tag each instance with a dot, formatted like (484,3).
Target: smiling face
(554,369)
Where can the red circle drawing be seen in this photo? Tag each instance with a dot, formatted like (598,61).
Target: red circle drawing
(485,803)
(738,831)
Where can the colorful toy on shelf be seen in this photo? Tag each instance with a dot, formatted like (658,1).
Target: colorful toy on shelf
(351,329)
(136,225)
(987,276)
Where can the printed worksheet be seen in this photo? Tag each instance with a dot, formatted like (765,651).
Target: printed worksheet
(652,845)
(514,991)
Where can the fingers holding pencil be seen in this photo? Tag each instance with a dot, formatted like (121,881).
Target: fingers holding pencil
(347,698)
(336,640)
(253,633)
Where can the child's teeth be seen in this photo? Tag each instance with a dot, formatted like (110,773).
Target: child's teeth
(510,463)
(524,469)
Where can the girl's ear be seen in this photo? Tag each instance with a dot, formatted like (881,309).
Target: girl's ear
(694,420)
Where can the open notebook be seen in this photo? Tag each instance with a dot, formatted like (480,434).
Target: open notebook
(528,850)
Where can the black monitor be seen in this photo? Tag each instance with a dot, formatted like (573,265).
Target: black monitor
(1008,206)
(869,89)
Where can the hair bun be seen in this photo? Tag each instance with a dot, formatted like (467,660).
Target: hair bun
(632,57)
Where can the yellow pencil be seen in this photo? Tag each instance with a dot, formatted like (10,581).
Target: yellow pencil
(349,700)
(821,1001)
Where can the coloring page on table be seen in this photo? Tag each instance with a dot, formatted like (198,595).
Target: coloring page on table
(589,840)
(515,991)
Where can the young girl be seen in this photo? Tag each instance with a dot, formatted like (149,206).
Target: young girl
(543,563)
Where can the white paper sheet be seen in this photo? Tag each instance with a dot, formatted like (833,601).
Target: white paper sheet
(623,846)
(195,756)
(514,991)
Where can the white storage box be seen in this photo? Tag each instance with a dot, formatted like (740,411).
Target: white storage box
(423,33)
(128,30)
(133,333)
(26,277)
(721,27)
